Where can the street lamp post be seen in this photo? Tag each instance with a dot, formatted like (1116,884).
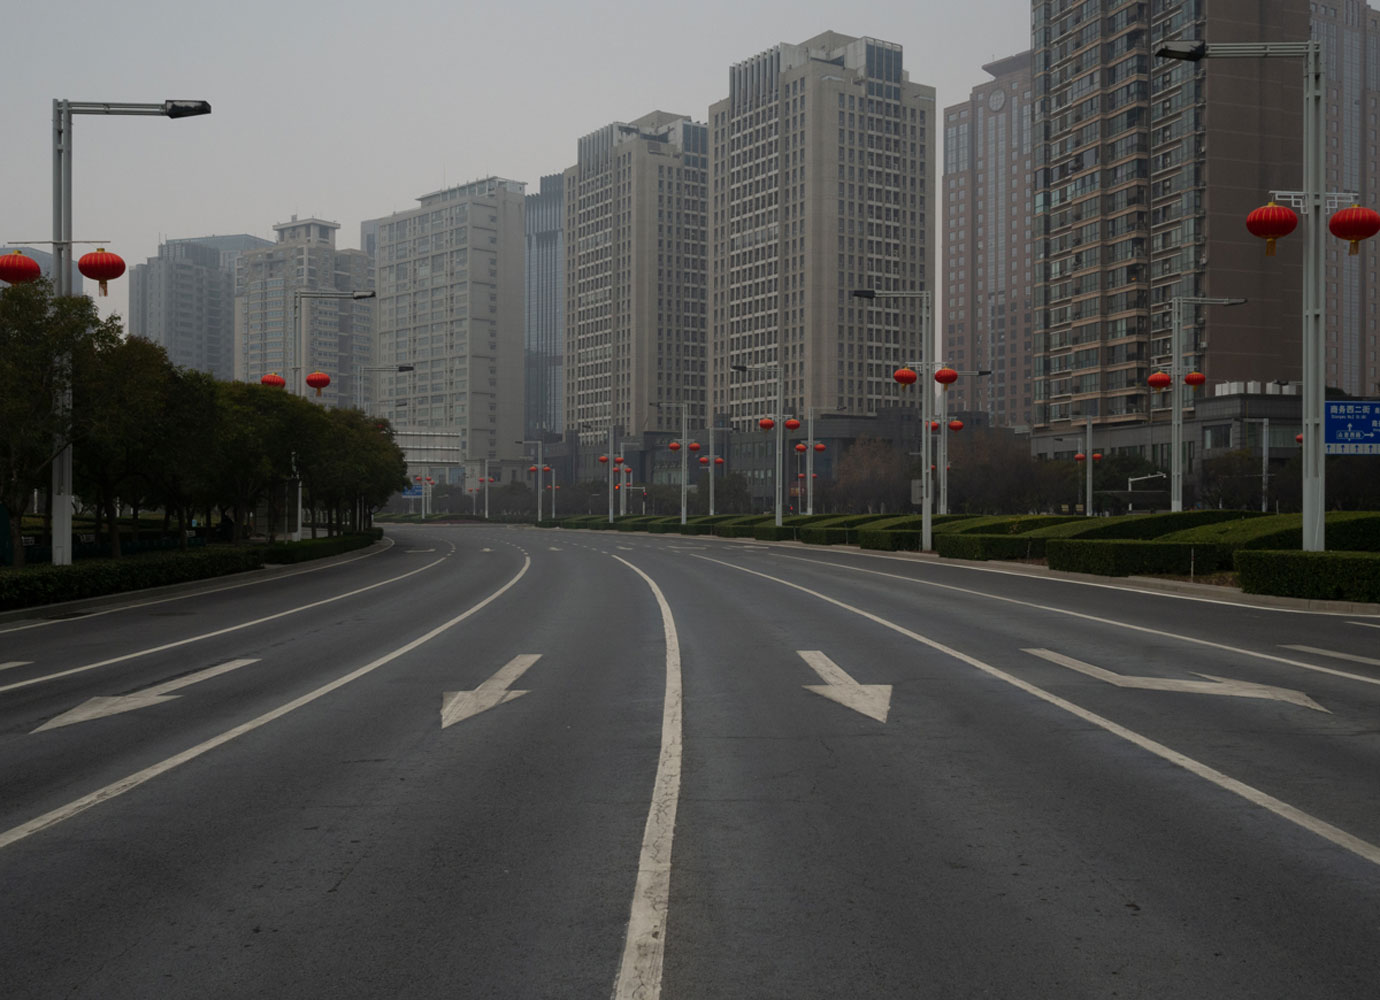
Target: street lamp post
(1311,202)
(1264,423)
(63,110)
(539,465)
(298,348)
(1177,371)
(359,384)
(926,402)
(780,371)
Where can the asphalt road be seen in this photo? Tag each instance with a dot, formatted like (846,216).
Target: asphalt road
(733,770)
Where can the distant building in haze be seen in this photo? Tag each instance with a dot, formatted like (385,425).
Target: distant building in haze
(987,320)
(331,334)
(545,346)
(184,299)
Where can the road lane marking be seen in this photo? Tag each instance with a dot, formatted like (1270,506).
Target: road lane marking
(283,575)
(456,706)
(639,974)
(1336,656)
(224,631)
(133,781)
(1213,685)
(100,707)
(872,700)
(9,664)
(1366,624)
(1090,618)
(1336,835)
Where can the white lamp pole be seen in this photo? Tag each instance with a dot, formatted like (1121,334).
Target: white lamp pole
(1177,371)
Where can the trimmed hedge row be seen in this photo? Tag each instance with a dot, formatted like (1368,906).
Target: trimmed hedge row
(319,548)
(964,546)
(1141,526)
(1134,557)
(1319,576)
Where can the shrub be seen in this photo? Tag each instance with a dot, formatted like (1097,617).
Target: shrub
(1134,557)
(1142,526)
(890,539)
(318,548)
(1319,576)
(966,546)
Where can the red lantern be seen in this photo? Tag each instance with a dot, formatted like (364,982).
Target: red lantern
(1298,439)
(531,468)
(1195,378)
(1097,456)
(627,471)
(1355,224)
(430,480)
(819,446)
(604,459)
(1270,222)
(800,475)
(801,448)
(674,446)
(766,423)
(1159,380)
(718,461)
(792,424)
(492,479)
(704,460)
(694,446)
(1079,457)
(318,381)
(934,425)
(955,425)
(946,376)
(275,381)
(17,269)
(906,376)
(618,460)
(546,468)
(101,266)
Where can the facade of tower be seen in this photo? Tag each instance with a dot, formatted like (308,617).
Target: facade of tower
(635,277)
(450,280)
(821,183)
(184,299)
(1350,33)
(545,340)
(278,330)
(1146,169)
(989,268)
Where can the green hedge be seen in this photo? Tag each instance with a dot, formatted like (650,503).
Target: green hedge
(1319,576)
(841,530)
(1134,557)
(890,539)
(741,526)
(1141,526)
(1352,531)
(965,546)
(1009,524)
(47,584)
(635,522)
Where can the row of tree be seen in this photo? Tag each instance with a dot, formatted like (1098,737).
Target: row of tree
(150,435)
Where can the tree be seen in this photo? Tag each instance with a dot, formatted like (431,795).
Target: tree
(41,337)
(871,477)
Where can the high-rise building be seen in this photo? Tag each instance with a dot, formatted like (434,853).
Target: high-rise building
(545,340)
(989,270)
(281,327)
(1146,169)
(821,183)
(1350,33)
(451,288)
(184,299)
(636,277)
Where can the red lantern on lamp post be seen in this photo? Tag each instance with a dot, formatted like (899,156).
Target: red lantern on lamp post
(18,269)
(1270,223)
(273,380)
(318,381)
(1195,379)
(101,266)
(1079,457)
(955,425)
(674,446)
(819,446)
(1097,456)
(704,460)
(802,448)
(905,376)
(946,377)
(1159,381)
(718,460)
(792,424)
(694,446)
(603,460)
(1355,224)
(766,423)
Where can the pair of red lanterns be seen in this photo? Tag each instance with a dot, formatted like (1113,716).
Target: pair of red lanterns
(317,380)
(1080,457)
(767,423)
(99,266)
(907,376)
(1274,221)
(1160,380)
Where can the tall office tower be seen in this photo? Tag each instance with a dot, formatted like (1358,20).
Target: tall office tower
(1146,169)
(281,326)
(821,183)
(635,277)
(989,296)
(1350,32)
(184,299)
(545,350)
(450,285)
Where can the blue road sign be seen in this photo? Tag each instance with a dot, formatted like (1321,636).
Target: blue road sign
(412,491)
(1351,427)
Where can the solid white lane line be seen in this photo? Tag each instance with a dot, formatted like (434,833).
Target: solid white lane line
(1362,848)
(1336,656)
(872,700)
(149,773)
(1094,618)
(97,613)
(100,707)
(639,974)
(223,631)
(1366,624)
(14,663)
(456,706)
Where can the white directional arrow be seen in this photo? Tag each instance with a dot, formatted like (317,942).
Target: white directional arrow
(100,707)
(1213,685)
(14,663)
(872,700)
(456,706)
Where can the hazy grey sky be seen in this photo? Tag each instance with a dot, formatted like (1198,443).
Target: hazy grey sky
(350,110)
